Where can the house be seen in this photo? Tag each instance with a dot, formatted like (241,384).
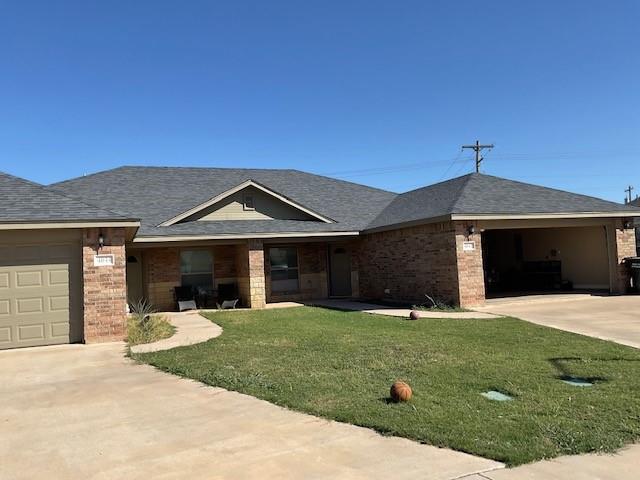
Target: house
(73,253)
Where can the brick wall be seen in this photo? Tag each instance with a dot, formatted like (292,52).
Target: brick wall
(242,272)
(625,247)
(161,272)
(257,287)
(470,266)
(105,287)
(405,264)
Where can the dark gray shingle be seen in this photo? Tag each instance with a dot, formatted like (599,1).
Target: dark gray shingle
(24,201)
(477,193)
(156,194)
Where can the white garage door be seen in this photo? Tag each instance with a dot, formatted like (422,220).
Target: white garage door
(40,288)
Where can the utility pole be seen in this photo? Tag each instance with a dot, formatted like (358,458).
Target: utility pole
(628,191)
(478,148)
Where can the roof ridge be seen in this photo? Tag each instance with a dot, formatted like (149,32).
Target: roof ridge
(439,183)
(462,189)
(344,181)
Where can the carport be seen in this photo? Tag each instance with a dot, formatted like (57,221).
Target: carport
(540,256)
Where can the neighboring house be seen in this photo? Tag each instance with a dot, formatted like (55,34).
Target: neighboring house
(277,235)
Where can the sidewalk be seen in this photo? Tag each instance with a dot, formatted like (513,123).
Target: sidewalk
(351,305)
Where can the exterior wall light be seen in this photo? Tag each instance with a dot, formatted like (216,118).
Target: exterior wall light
(626,224)
(100,240)
(471,229)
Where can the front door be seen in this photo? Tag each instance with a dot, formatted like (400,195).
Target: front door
(340,271)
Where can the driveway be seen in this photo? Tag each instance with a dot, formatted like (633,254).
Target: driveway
(610,318)
(87,412)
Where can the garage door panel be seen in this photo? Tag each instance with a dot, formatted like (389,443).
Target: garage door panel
(60,330)
(29,305)
(58,276)
(37,305)
(5,335)
(31,332)
(28,279)
(59,303)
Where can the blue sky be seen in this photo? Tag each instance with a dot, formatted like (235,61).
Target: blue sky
(382,93)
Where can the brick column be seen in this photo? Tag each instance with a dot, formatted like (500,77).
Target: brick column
(105,287)
(624,246)
(257,292)
(470,265)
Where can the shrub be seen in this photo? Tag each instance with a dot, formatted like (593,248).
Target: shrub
(145,326)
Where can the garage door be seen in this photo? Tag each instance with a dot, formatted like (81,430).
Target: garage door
(40,288)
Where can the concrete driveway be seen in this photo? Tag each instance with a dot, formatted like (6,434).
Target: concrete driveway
(87,412)
(610,318)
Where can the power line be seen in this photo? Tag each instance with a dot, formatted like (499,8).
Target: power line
(388,169)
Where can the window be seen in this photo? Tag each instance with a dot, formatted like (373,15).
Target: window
(247,202)
(196,267)
(284,269)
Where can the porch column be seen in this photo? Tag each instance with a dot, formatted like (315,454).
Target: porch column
(622,244)
(257,293)
(470,266)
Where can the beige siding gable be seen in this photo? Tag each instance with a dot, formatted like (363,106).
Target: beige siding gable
(266,207)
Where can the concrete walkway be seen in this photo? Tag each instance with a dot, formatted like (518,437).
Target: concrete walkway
(615,318)
(619,466)
(350,305)
(191,328)
(87,412)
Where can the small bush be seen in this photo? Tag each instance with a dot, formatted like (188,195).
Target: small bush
(437,304)
(144,326)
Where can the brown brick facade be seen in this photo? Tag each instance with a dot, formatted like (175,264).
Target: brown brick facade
(409,263)
(105,287)
(470,266)
(161,273)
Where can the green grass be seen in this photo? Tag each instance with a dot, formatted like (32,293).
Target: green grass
(152,330)
(339,365)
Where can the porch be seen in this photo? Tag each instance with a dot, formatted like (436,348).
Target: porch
(257,272)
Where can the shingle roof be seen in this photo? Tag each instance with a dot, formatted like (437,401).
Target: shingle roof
(24,201)
(156,194)
(635,203)
(478,194)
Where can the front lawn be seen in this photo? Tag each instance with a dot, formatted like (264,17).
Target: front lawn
(339,365)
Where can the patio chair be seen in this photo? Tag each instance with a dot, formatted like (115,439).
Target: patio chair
(227,295)
(185,298)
